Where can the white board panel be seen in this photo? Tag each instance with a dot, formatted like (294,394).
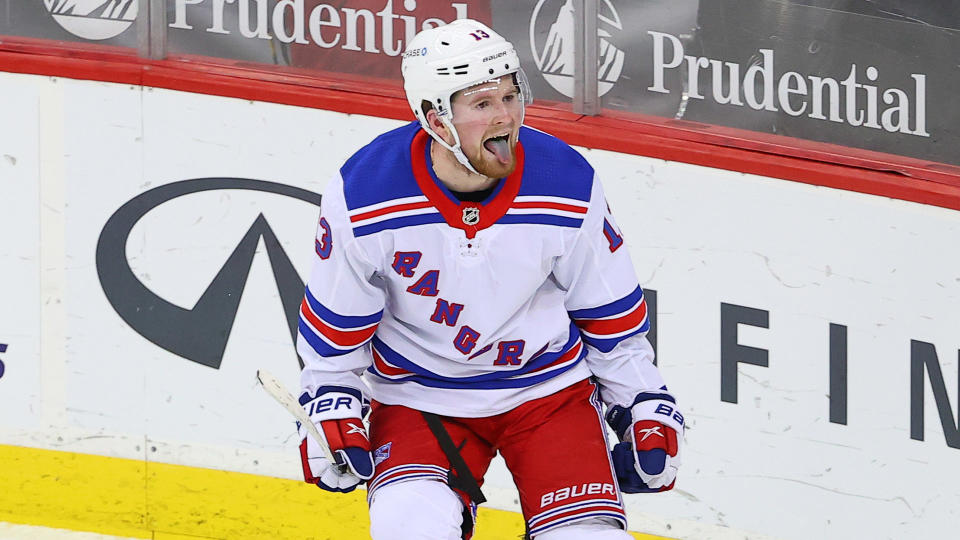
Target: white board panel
(20,381)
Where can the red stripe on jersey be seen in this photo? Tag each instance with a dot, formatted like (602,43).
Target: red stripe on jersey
(566,357)
(400,472)
(552,205)
(340,338)
(602,506)
(385,368)
(390,210)
(606,327)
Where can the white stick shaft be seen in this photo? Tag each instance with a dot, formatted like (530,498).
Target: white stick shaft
(275,388)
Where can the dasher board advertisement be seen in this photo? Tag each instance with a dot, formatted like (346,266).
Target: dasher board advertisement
(808,333)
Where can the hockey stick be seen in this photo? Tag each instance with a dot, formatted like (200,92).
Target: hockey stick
(276,390)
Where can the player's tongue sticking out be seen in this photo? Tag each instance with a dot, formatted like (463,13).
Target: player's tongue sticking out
(500,147)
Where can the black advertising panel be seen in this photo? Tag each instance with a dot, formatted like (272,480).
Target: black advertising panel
(106,22)
(543,33)
(876,75)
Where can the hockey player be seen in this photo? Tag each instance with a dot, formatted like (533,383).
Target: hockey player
(472,289)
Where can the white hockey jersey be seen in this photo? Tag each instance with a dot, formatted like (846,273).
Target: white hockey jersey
(469,309)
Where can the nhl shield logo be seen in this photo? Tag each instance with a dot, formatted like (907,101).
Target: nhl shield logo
(471,215)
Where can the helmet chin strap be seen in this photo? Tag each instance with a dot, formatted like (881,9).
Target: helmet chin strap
(462,158)
(455,148)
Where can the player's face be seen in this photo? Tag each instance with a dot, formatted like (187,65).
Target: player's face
(487,117)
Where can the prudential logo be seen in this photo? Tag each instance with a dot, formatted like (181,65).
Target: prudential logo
(555,55)
(93,19)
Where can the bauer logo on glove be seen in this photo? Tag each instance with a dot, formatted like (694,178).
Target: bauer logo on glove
(337,412)
(651,431)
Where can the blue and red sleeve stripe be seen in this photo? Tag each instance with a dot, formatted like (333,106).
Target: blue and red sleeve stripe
(604,327)
(330,333)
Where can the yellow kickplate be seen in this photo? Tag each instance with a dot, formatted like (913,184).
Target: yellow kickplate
(73,491)
(138,499)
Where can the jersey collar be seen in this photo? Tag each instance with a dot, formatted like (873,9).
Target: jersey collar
(469,217)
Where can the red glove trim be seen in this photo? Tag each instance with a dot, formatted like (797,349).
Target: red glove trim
(345,433)
(651,435)
(308,476)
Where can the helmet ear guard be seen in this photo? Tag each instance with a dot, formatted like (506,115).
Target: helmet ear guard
(440,61)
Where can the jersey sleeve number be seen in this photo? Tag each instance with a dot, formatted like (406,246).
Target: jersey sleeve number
(613,237)
(324,244)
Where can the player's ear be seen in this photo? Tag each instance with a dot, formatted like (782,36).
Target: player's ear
(439,127)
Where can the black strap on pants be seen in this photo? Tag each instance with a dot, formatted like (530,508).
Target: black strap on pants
(459,475)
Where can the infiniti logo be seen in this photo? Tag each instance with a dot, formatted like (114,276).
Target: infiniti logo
(198,334)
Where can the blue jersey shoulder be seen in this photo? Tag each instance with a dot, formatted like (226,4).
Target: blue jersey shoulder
(381,171)
(552,168)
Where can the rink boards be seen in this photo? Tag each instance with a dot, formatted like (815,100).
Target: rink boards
(810,333)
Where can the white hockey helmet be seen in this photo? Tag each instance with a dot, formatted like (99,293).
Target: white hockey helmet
(440,61)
